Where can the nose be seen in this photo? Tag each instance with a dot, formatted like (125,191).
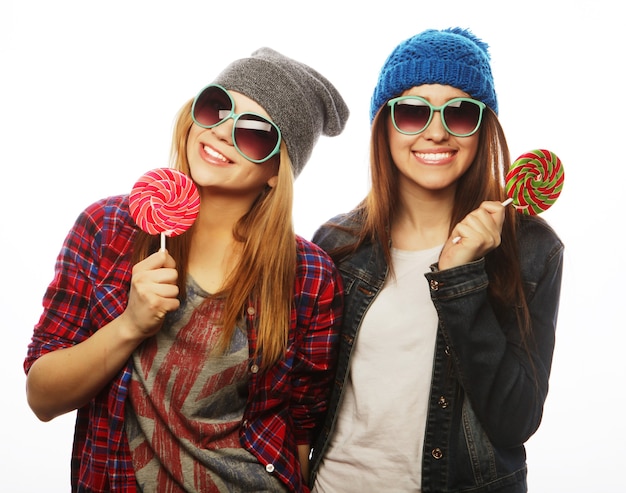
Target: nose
(224,131)
(435,130)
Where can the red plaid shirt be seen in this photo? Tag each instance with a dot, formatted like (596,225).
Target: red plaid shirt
(285,403)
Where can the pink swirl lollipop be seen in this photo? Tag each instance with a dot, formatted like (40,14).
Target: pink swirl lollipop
(535,181)
(164,201)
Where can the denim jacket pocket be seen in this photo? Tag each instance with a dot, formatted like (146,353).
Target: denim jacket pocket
(480,450)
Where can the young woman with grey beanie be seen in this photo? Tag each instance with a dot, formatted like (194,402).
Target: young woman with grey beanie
(451,299)
(206,366)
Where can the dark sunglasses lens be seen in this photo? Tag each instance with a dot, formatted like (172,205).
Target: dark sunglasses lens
(255,136)
(411,116)
(212,106)
(462,117)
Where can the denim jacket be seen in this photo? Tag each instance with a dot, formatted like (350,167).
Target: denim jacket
(488,389)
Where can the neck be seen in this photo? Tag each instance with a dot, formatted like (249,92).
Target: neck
(214,252)
(222,210)
(422,222)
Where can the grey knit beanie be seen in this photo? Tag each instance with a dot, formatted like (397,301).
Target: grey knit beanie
(301,101)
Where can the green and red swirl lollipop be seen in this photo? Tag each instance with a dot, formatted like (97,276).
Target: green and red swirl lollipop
(164,201)
(534,181)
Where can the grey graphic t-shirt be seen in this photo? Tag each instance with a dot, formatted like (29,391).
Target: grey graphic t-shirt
(186,404)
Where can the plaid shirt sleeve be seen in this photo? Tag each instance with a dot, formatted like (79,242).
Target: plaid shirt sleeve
(88,290)
(288,401)
(319,302)
(93,261)
(66,301)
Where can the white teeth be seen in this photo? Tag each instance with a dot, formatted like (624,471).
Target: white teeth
(433,156)
(213,153)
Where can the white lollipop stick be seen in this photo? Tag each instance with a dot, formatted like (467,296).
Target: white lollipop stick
(456,239)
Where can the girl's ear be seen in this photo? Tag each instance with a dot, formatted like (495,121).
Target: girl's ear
(272,181)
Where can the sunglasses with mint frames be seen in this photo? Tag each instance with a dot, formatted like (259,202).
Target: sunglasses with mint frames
(460,117)
(254,136)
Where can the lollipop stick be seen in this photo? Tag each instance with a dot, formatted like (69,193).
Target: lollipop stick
(162,242)
(456,239)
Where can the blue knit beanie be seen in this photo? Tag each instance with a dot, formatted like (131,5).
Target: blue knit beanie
(454,57)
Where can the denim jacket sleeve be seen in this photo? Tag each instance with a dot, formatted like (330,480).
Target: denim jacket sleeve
(505,379)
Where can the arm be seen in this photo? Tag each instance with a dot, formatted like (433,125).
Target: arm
(66,379)
(319,307)
(505,381)
(303,454)
(69,359)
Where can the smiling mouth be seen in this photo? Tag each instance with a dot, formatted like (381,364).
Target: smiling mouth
(214,154)
(434,156)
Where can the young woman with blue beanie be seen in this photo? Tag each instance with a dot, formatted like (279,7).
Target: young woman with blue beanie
(451,299)
(206,366)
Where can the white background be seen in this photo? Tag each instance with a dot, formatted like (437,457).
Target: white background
(88,94)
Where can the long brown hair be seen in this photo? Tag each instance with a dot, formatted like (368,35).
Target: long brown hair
(265,274)
(484,180)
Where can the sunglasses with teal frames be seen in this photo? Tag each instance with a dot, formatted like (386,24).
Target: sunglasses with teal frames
(460,117)
(254,136)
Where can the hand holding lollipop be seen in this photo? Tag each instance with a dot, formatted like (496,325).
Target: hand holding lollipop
(164,201)
(533,183)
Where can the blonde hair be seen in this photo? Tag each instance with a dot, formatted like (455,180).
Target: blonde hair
(264,276)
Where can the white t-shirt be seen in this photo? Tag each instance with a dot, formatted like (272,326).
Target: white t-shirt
(377,444)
